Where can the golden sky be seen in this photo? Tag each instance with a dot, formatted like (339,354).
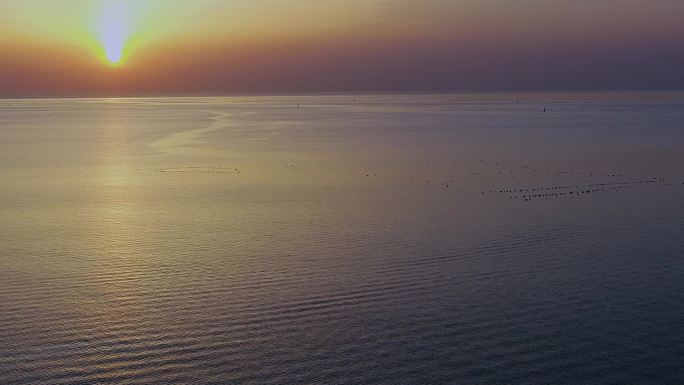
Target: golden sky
(74,47)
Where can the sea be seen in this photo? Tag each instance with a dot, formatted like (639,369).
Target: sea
(487,238)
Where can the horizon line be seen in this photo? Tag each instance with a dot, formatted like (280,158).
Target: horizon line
(347,92)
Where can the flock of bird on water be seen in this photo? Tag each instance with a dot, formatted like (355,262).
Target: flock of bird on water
(527,192)
(564,188)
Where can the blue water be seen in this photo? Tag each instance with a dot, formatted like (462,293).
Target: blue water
(387,239)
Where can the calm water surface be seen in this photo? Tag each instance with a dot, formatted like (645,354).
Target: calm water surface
(456,239)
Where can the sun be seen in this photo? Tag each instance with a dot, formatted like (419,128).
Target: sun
(113,41)
(113,45)
(114,30)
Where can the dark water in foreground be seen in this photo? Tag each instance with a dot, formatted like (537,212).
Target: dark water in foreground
(460,239)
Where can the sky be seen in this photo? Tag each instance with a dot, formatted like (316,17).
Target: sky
(212,47)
